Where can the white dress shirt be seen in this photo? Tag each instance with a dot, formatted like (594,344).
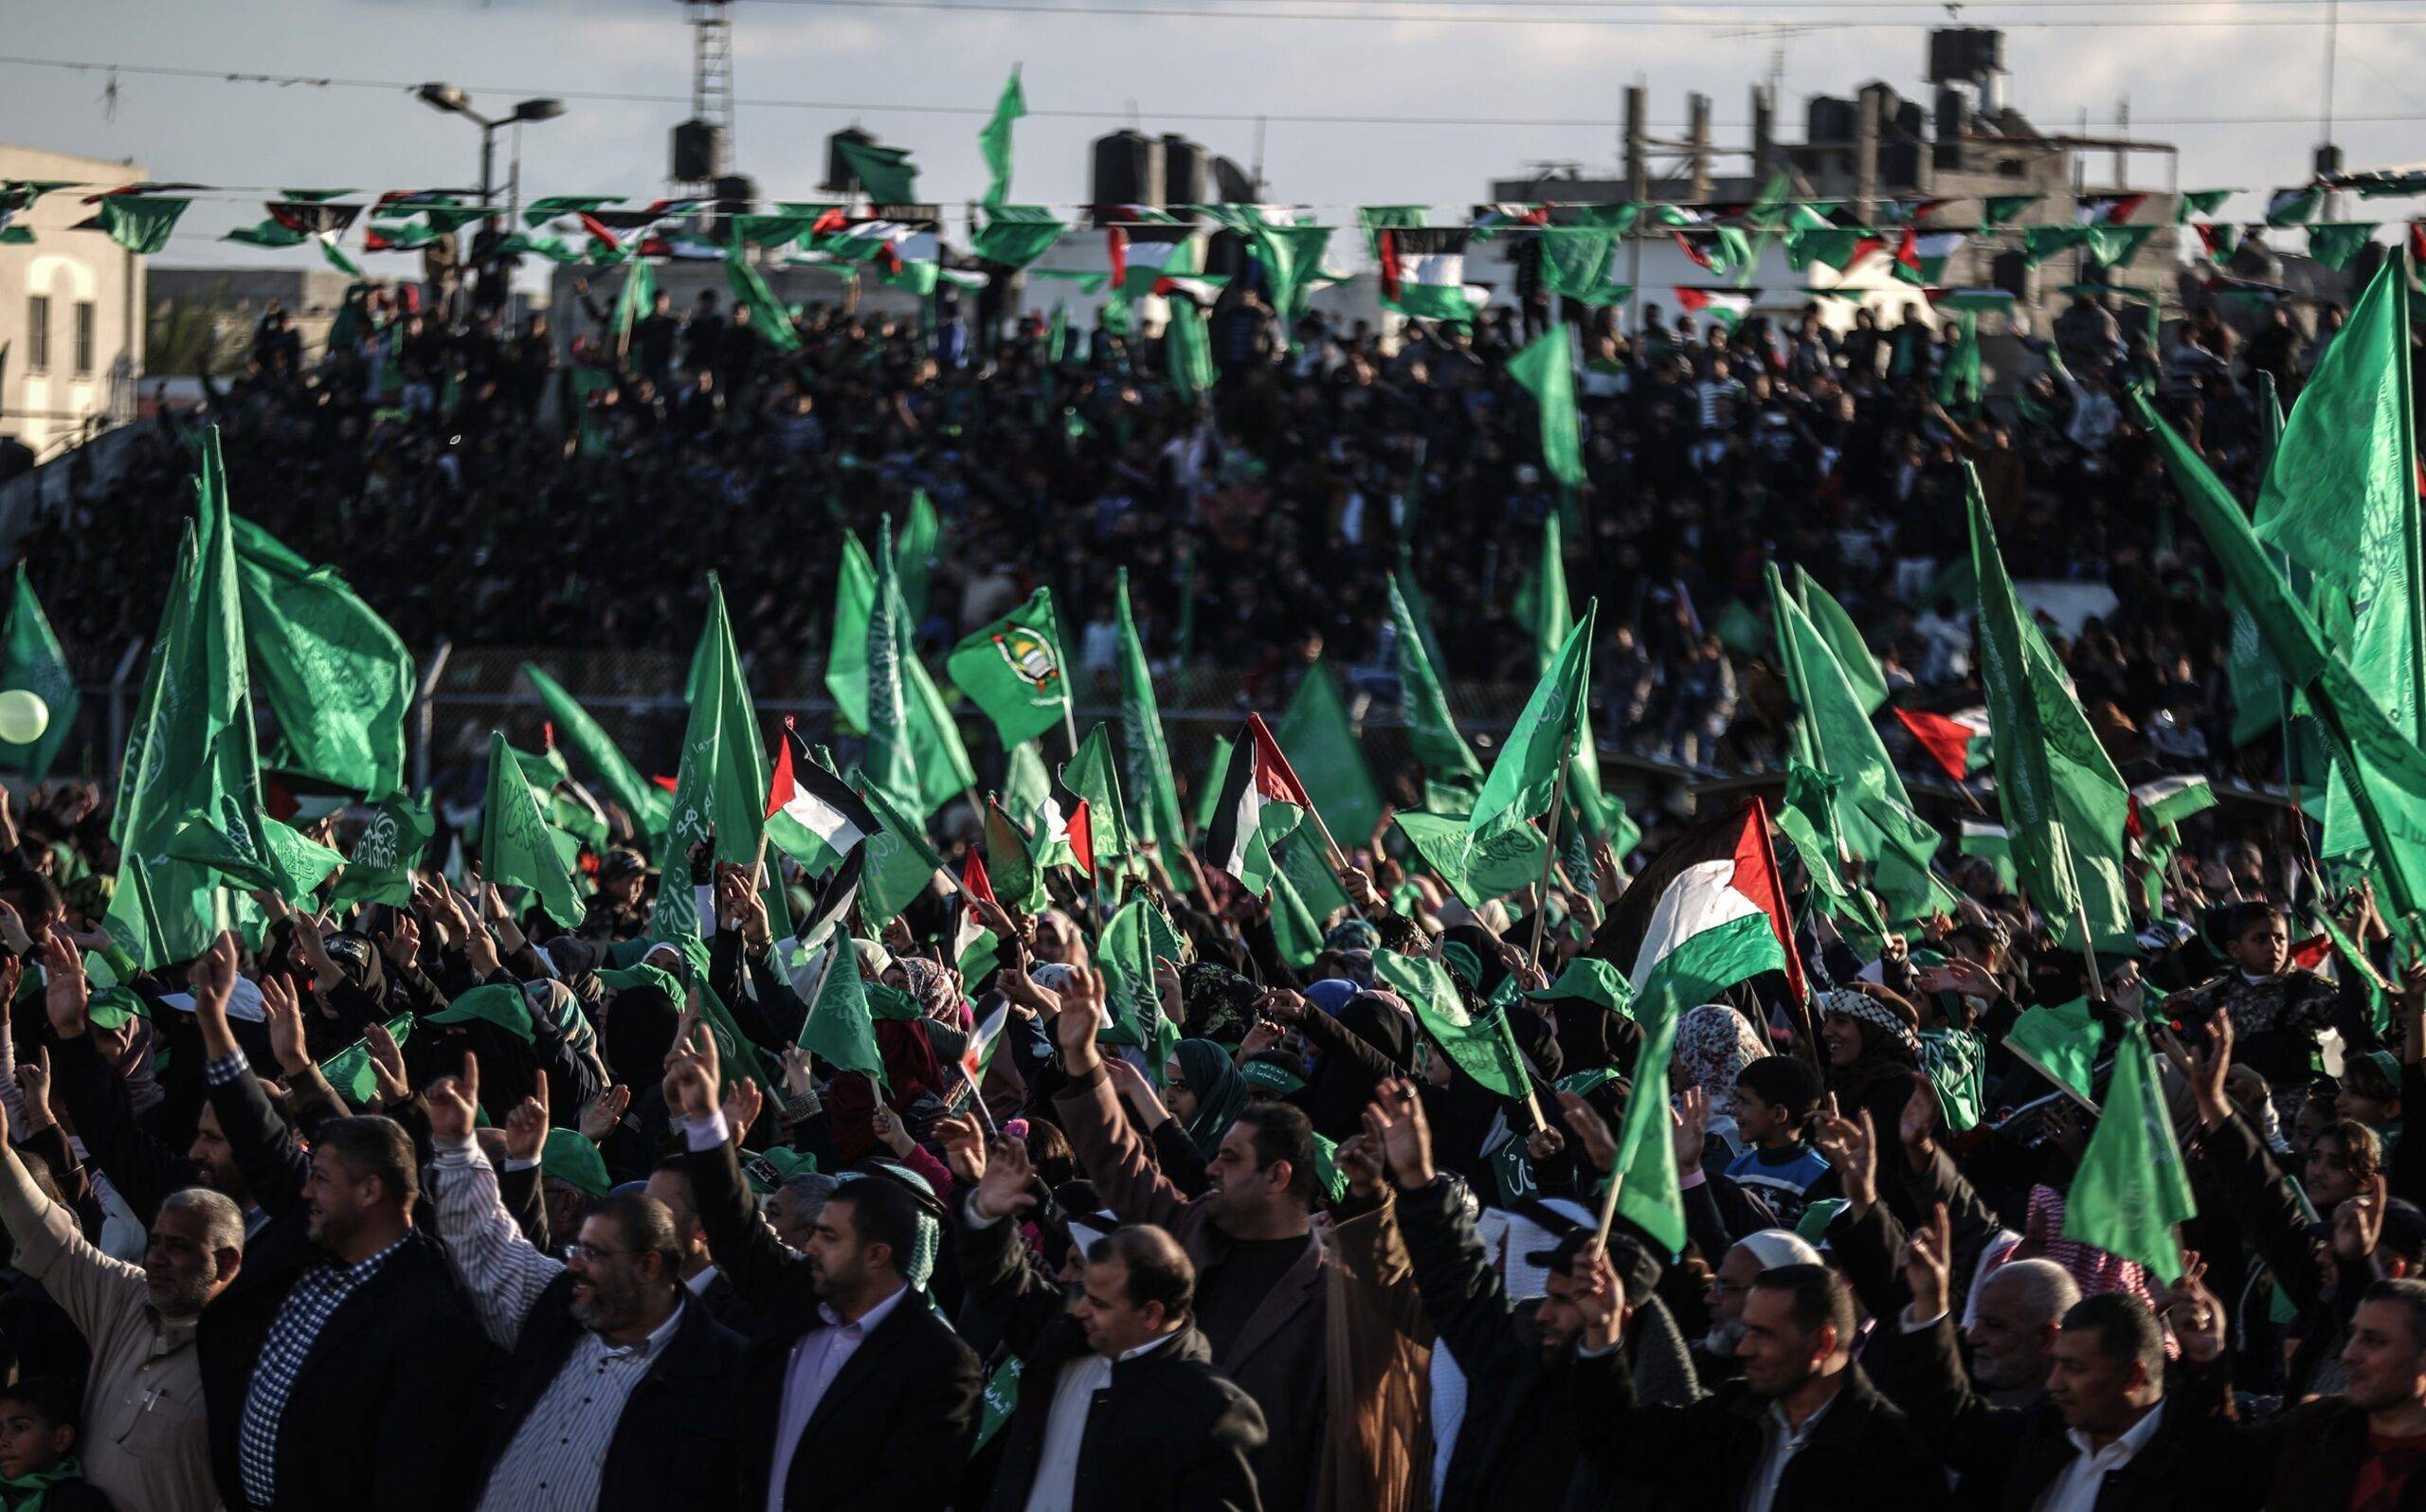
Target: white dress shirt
(2076,1490)
(1780,1441)
(816,1361)
(1065,1427)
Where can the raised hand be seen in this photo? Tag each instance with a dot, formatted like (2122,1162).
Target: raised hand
(1075,1026)
(1360,1161)
(964,1145)
(1256,1040)
(33,1081)
(387,1065)
(1599,1146)
(1395,1120)
(1852,1149)
(799,1075)
(452,1100)
(1688,1124)
(526,1127)
(2358,1222)
(213,975)
(691,1074)
(1285,1007)
(1358,884)
(605,1113)
(66,994)
(1543,1143)
(1919,1118)
(1002,1190)
(2209,1068)
(286,1021)
(1928,1264)
(401,945)
(890,1133)
(1596,1297)
(2196,1315)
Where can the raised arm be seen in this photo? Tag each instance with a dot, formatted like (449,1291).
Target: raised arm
(273,1167)
(738,1240)
(1108,1150)
(501,1272)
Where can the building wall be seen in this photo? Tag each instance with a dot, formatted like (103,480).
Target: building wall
(90,293)
(238,296)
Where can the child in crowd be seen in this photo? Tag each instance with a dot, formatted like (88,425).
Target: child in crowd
(38,1468)
(1775,1097)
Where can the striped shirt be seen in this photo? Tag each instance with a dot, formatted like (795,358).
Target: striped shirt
(557,1454)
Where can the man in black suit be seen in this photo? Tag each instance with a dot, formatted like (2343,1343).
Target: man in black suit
(619,1392)
(332,1366)
(1120,1405)
(854,1393)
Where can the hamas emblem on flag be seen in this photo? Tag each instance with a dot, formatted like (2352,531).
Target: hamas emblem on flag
(1030,658)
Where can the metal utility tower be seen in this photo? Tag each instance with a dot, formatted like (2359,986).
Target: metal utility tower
(709,128)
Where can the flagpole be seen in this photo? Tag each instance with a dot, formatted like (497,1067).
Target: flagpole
(1542,887)
(1609,1203)
(1068,725)
(977,1101)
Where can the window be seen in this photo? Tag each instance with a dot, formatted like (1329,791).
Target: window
(38,334)
(84,342)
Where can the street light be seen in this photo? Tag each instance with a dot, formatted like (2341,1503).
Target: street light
(451,100)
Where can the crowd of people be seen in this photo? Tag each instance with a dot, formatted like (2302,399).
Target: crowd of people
(437,454)
(452,1204)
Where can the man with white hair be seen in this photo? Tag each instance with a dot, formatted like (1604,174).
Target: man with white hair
(1745,1262)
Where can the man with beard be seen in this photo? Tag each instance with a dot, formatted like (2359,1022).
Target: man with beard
(854,1393)
(333,1364)
(145,1443)
(620,1387)
(1715,1355)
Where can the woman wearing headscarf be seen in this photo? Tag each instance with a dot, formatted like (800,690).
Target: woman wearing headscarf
(1872,1041)
(1202,1095)
(1369,1038)
(1713,1043)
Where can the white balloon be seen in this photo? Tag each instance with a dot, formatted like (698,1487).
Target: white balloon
(23,716)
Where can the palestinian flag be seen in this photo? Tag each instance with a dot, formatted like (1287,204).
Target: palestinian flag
(2166,802)
(832,906)
(1072,833)
(1723,253)
(1261,803)
(2199,201)
(815,800)
(1992,302)
(2219,238)
(1921,257)
(1721,918)
(1957,742)
(1496,220)
(1423,274)
(1727,306)
(1139,267)
(1909,212)
(975,887)
(2106,209)
(982,1044)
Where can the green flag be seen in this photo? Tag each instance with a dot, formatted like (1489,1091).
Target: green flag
(1010,869)
(886,173)
(1093,774)
(945,771)
(515,847)
(1845,639)
(2377,758)
(1958,378)
(1450,773)
(913,553)
(1646,1159)
(140,222)
(1524,779)
(900,863)
(196,761)
(335,676)
(1477,868)
(2061,1042)
(721,783)
(633,305)
(1027,783)
(846,649)
(1478,1046)
(839,1029)
(890,763)
(1546,371)
(1875,815)
(645,802)
(2063,802)
(1016,234)
(1215,769)
(349,1070)
(1579,263)
(1324,752)
(1188,350)
(1148,756)
(768,316)
(2341,500)
(994,143)
(380,867)
(35,663)
(2131,1188)
(1125,954)
(1543,605)
(1012,669)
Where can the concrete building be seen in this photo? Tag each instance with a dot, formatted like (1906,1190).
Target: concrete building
(232,300)
(71,310)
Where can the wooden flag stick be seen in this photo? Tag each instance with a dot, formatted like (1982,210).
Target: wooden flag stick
(977,1101)
(1610,1207)
(1541,887)
(1069,724)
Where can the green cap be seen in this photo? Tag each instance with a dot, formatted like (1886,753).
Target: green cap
(575,1161)
(770,1169)
(642,975)
(113,1007)
(1594,981)
(1461,958)
(1813,1226)
(501,1004)
(1584,1083)
(1326,1172)
(892,1003)
(1272,1076)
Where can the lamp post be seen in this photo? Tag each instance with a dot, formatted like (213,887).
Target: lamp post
(451,100)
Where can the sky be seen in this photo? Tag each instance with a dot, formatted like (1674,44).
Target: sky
(817,66)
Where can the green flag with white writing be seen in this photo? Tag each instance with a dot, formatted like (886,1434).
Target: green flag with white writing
(515,850)
(1146,757)
(34,663)
(336,678)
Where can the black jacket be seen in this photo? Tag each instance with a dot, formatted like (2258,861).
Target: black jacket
(2308,1457)
(384,1408)
(678,1445)
(891,1431)
(1518,1444)
(1861,1454)
(1171,1433)
(2009,1457)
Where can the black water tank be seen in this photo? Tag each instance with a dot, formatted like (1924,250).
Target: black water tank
(1232,185)
(1187,171)
(1965,53)
(1128,170)
(698,151)
(839,177)
(1832,122)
